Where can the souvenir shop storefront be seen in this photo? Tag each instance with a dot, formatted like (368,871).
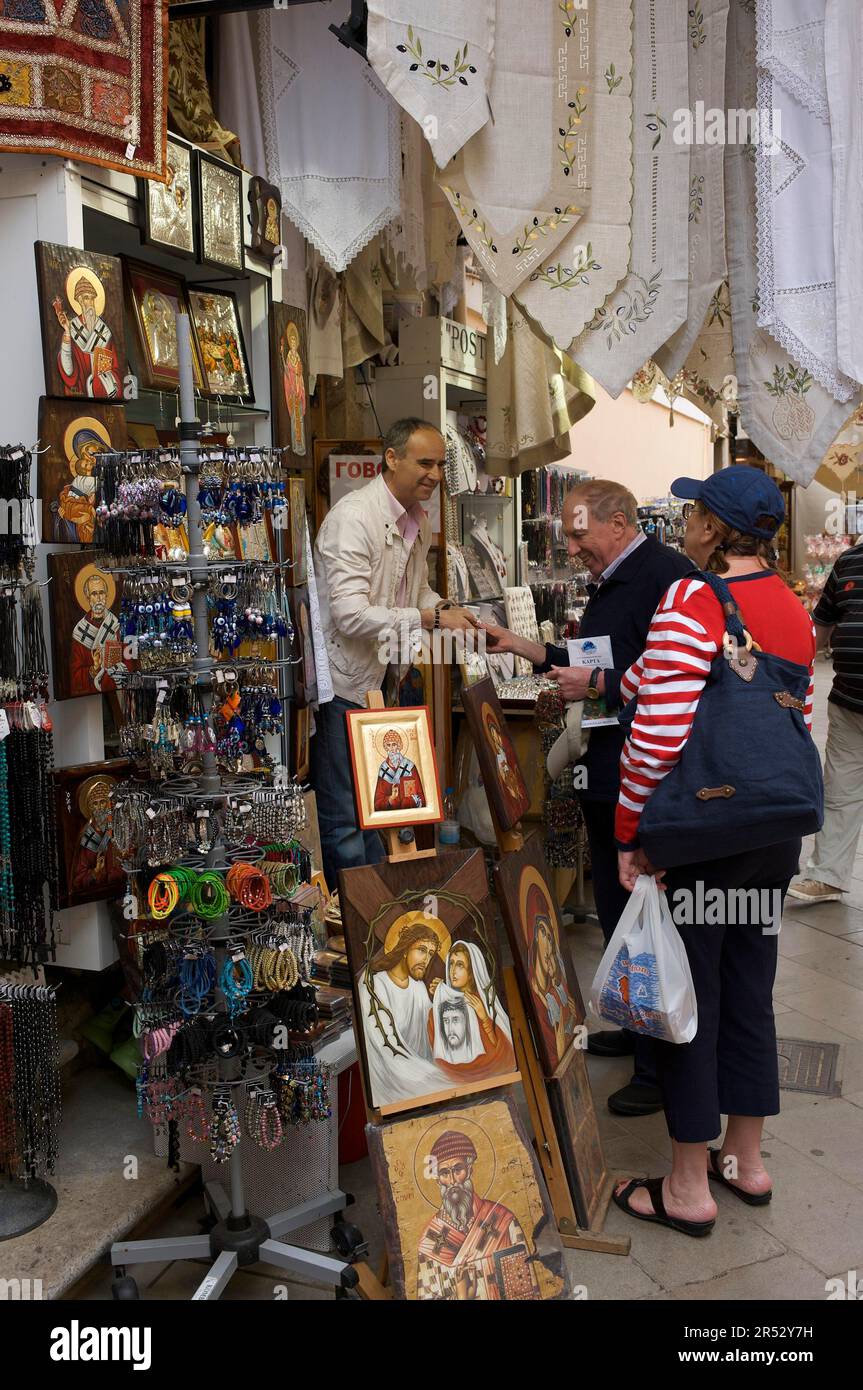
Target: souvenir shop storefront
(237,247)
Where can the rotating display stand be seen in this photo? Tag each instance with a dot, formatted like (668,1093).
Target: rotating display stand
(237,1239)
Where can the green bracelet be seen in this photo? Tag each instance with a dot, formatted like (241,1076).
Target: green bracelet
(208,896)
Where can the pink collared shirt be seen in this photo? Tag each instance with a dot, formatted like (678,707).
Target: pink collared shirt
(408,523)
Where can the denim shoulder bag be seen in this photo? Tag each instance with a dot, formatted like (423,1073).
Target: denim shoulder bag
(750,774)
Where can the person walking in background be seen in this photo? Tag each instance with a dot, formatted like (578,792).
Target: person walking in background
(630,573)
(838,620)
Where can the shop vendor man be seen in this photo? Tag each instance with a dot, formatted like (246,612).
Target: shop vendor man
(630,573)
(371,565)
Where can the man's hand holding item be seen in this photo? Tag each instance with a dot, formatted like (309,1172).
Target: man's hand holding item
(573,681)
(500,640)
(453,619)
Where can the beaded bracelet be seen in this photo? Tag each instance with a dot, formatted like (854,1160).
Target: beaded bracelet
(235,981)
(249,886)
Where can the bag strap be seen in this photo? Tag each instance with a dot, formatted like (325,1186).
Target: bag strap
(733,620)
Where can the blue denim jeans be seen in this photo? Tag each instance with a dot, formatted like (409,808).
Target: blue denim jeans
(343,844)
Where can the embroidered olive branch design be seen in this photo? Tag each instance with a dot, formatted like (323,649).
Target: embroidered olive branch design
(568,9)
(612,78)
(635,308)
(565,277)
(719,309)
(656,124)
(696,26)
(789,381)
(566,143)
(434,69)
(533,230)
(696,198)
(472,219)
(755,303)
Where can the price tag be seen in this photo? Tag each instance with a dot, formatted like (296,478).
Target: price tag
(245,808)
(4,724)
(130,150)
(204,814)
(283,946)
(151,814)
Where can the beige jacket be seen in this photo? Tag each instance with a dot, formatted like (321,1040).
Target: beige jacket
(360,558)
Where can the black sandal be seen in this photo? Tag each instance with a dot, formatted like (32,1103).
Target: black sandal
(752,1199)
(660,1217)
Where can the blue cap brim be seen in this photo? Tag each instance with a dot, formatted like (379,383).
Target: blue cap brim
(687,488)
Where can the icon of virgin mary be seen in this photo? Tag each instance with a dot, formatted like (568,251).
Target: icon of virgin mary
(469,1030)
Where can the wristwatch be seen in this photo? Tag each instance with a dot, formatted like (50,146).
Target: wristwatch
(592,693)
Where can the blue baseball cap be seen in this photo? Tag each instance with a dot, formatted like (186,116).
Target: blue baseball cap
(740,496)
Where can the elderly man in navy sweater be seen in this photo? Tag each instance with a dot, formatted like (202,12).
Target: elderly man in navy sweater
(630,573)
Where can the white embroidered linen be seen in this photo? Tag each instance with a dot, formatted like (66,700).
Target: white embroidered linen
(566,288)
(651,302)
(405,237)
(843,61)
(794,190)
(707,24)
(435,60)
(523,181)
(331,131)
(786,414)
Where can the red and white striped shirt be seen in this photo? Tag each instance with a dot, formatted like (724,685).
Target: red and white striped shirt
(685,635)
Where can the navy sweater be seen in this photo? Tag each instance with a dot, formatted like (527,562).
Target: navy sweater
(621,608)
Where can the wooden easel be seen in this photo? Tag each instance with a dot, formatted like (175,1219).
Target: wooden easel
(574,1236)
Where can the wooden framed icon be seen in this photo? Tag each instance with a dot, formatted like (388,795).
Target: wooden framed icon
(289,371)
(155,297)
(301,720)
(431,1015)
(499,767)
(465,1210)
(169,208)
(90,869)
(265,203)
(549,986)
(395,771)
(88,651)
(72,435)
(297,572)
(216,321)
(81,312)
(304,670)
(221,213)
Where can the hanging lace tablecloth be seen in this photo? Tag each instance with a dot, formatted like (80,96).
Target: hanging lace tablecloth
(786,414)
(435,60)
(331,131)
(566,288)
(843,60)
(707,23)
(650,303)
(794,190)
(523,181)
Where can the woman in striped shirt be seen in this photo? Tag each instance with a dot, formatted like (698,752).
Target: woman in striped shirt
(731,1065)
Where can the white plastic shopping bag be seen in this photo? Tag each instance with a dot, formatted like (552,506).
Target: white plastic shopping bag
(644,982)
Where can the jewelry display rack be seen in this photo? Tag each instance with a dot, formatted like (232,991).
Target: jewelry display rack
(238,1239)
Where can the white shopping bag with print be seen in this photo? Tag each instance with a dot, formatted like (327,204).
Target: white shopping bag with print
(644,982)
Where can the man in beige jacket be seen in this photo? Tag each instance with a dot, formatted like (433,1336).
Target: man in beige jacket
(372,572)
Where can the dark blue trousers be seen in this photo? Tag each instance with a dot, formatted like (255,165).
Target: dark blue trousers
(343,844)
(730,1067)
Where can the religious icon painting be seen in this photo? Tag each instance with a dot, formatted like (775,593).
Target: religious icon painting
(216,322)
(90,868)
(303,650)
(297,572)
(155,297)
(265,202)
(301,720)
(169,219)
(577,1132)
(220,203)
(430,1012)
(395,773)
(88,655)
(549,987)
(289,366)
(501,775)
(256,540)
(72,435)
(81,311)
(465,1210)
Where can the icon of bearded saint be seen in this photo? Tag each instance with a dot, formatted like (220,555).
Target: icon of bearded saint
(398,786)
(87,359)
(460,1250)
